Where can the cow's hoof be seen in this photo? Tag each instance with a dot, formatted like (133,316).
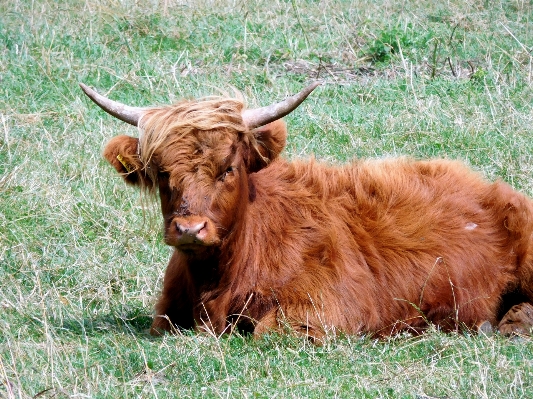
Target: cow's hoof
(484,328)
(160,326)
(518,320)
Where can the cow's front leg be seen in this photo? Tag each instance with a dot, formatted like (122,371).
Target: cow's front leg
(172,312)
(174,308)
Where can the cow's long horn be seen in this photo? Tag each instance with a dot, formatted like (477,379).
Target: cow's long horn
(261,116)
(123,112)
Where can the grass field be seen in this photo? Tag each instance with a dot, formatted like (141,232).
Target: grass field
(82,257)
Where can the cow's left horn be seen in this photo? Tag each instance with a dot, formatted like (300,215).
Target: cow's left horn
(261,116)
(123,112)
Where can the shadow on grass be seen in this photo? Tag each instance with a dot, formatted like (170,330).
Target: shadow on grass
(123,320)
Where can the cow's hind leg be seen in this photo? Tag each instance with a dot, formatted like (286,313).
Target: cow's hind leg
(518,320)
(517,305)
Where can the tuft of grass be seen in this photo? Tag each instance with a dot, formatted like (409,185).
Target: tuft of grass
(81,254)
(398,41)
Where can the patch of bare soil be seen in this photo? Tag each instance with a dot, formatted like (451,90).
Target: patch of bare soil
(342,74)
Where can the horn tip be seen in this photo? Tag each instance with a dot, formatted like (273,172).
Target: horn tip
(87,90)
(315,84)
(310,88)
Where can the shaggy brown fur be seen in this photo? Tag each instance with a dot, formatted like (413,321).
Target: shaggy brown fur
(370,247)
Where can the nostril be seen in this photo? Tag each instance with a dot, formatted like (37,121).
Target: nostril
(197,228)
(181,229)
(187,232)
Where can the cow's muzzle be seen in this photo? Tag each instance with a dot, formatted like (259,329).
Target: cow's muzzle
(191,231)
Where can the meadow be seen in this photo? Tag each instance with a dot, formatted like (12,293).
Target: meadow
(82,255)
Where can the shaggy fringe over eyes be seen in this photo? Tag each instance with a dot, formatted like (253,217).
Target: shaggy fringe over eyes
(186,117)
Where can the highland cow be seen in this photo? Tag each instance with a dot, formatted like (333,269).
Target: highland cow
(374,246)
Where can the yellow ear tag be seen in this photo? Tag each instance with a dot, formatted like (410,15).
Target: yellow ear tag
(124,163)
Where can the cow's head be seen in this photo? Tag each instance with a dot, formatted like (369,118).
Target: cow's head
(199,155)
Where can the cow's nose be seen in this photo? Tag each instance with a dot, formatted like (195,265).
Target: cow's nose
(189,233)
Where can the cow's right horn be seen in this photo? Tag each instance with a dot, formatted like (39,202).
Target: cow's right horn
(125,113)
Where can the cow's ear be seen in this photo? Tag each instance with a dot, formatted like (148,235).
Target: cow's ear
(121,152)
(271,140)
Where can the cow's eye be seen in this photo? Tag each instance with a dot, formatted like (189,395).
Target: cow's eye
(227,172)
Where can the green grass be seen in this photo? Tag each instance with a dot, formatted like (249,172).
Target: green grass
(81,255)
